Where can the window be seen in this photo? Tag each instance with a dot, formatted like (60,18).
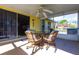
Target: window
(66,21)
(58,25)
(72,20)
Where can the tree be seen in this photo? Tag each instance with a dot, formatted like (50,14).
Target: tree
(63,21)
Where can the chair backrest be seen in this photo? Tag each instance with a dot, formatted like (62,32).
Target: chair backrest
(29,35)
(55,33)
(53,36)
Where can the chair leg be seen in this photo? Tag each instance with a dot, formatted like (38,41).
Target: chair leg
(29,47)
(47,47)
(33,50)
(55,48)
(41,47)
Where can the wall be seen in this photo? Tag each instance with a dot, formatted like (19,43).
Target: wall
(68,37)
(36,26)
(46,25)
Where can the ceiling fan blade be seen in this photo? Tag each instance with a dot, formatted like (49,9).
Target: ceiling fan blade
(49,11)
(44,14)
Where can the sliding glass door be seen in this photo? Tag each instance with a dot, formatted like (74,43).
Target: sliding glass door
(7,24)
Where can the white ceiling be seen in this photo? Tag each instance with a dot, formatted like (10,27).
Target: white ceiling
(31,8)
(62,7)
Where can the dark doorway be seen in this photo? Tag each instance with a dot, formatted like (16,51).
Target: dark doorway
(23,24)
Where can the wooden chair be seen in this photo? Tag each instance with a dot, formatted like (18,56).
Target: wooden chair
(35,42)
(50,40)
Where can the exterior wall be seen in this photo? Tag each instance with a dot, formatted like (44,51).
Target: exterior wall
(68,37)
(36,25)
(46,25)
(52,25)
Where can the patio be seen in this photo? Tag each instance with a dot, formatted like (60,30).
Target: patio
(19,18)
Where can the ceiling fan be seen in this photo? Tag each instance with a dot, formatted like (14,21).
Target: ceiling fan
(41,12)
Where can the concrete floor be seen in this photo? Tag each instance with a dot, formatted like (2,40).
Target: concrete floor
(68,46)
(65,47)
